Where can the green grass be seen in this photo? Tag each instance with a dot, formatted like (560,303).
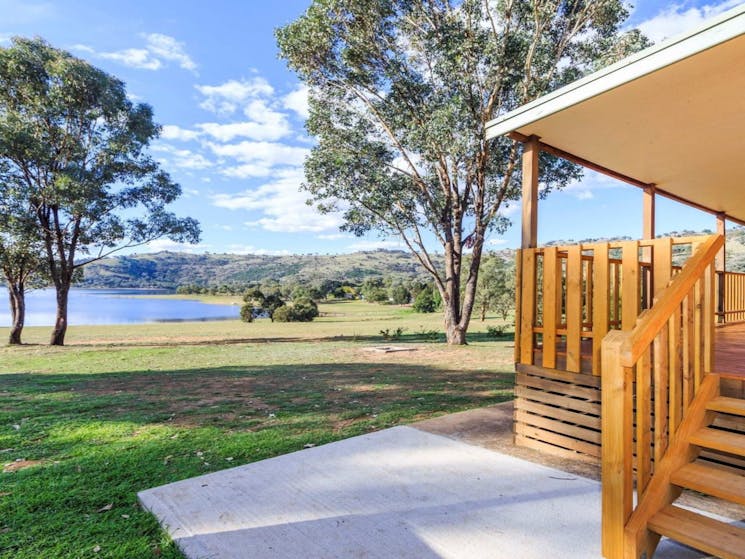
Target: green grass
(126,408)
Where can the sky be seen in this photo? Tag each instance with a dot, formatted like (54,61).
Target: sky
(233,115)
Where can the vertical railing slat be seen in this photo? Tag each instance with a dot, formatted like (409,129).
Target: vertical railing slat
(630,285)
(643,423)
(527,312)
(518,303)
(675,362)
(574,308)
(600,304)
(661,390)
(550,313)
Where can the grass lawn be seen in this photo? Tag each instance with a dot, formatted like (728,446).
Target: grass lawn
(124,408)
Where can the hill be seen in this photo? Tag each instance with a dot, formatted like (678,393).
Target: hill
(171,269)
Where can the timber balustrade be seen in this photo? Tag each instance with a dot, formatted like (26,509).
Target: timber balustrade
(650,375)
(731,297)
(570,297)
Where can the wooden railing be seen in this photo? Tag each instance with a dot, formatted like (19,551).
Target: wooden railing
(730,297)
(650,376)
(572,296)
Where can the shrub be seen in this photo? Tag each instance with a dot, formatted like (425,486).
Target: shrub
(425,301)
(495,332)
(247,312)
(303,310)
(282,314)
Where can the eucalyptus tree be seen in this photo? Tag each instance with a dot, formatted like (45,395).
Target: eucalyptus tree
(77,148)
(21,258)
(400,93)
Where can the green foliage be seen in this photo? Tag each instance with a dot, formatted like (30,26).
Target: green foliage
(247,312)
(425,301)
(400,91)
(282,314)
(392,335)
(73,148)
(495,332)
(400,295)
(495,290)
(303,309)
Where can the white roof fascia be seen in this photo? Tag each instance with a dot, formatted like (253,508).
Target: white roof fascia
(718,30)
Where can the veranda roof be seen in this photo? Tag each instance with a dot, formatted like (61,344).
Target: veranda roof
(672,115)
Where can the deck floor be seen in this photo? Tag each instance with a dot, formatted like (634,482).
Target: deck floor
(401,493)
(729,350)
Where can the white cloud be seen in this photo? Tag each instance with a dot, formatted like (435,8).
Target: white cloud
(374,245)
(297,101)
(140,59)
(335,236)
(496,242)
(159,49)
(167,48)
(258,159)
(227,97)
(282,206)
(4,39)
(678,18)
(173,132)
(182,158)
(250,249)
(159,245)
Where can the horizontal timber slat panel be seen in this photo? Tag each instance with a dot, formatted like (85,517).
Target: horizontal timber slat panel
(584,419)
(560,387)
(590,449)
(558,411)
(534,444)
(574,431)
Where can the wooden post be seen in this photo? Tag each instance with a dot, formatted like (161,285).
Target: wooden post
(530,192)
(720,266)
(720,261)
(617,451)
(648,232)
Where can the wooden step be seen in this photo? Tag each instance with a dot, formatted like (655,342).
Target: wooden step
(701,532)
(723,404)
(711,480)
(723,441)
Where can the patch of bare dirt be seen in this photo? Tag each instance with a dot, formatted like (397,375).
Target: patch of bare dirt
(20,465)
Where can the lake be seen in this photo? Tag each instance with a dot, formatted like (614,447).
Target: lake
(113,306)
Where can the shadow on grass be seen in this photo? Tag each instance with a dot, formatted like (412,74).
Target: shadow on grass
(103,437)
(432,336)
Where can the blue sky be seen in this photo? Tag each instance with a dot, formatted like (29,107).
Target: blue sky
(233,118)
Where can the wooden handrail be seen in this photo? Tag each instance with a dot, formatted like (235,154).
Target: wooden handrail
(650,324)
(650,375)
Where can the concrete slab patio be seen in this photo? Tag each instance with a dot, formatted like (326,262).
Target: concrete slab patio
(397,493)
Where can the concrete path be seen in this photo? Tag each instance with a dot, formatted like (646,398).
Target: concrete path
(397,493)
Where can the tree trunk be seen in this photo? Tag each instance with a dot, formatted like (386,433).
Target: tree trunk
(18,312)
(483,312)
(60,324)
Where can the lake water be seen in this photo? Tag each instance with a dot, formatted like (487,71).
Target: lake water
(113,306)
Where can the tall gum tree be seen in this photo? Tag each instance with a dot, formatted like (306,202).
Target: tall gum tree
(400,93)
(76,149)
(21,257)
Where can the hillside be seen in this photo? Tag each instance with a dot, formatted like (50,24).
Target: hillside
(171,269)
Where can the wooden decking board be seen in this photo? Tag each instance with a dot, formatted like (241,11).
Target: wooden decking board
(729,350)
(709,535)
(711,480)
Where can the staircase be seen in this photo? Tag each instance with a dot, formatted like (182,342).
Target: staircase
(708,458)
